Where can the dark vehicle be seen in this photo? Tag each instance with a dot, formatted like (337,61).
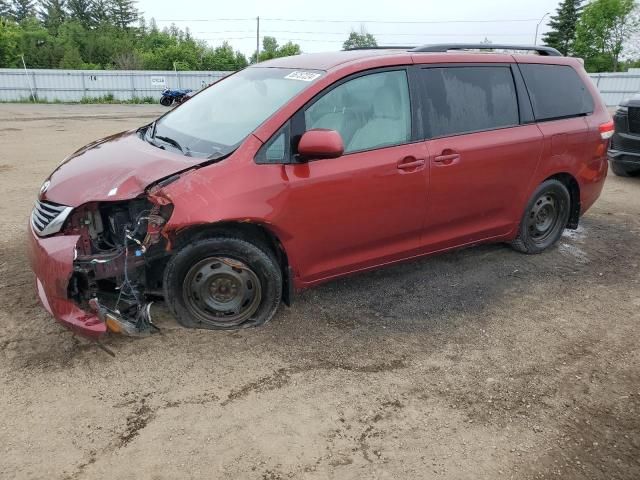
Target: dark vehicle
(178,96)
(624,153)
(303,169)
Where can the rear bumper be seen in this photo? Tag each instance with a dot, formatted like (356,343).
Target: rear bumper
(52,263)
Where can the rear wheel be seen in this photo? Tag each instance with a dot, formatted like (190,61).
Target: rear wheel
(544,219)
(166,101)
(622,171)
(223,283)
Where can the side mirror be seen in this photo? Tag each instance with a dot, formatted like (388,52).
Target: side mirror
(320,143)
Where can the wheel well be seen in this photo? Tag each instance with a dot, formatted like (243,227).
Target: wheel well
(572,185)
(250,232)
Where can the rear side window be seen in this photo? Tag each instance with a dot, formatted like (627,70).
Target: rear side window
(468,99)
(556,91)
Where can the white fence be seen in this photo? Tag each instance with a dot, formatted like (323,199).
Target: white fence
(74,85)
(615,87)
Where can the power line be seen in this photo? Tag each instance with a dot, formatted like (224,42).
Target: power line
(307,20)
(380,34)
(400,21)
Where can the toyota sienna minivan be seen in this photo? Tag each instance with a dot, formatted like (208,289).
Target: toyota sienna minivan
(299,170)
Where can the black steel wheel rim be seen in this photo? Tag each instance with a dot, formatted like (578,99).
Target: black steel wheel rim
(222,291)
(544,216)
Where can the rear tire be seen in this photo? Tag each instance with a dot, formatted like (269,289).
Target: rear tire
(223,283)
(622,171)
(166,101)
(544,219)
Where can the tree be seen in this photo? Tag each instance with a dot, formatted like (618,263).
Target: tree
(359,40)
(71,59)
(100,12)
(124,13)
(81,10)
(563,26)
(603,29)
(271,49)
(22,9)
(52,13)
(5,9)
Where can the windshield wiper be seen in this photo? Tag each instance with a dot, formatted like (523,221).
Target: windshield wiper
(171,141)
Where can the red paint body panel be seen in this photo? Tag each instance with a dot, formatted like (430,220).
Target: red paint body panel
(123,162)
(481,194)
(338,216)
(51,260)
(321,144)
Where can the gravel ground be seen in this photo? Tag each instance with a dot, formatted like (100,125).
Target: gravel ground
(478,364)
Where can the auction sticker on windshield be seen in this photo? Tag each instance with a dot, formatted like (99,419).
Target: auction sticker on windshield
(303,76)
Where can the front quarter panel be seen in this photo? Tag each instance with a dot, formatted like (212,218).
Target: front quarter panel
(233,190)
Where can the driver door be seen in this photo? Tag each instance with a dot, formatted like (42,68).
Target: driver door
(367,207)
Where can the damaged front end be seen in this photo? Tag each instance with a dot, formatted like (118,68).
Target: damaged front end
(118,261)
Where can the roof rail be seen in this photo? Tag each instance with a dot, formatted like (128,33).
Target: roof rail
(383,47)
(445,47)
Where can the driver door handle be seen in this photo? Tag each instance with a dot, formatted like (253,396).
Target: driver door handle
(411,163)
(447,159)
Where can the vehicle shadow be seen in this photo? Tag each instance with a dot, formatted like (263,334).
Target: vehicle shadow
(430,298)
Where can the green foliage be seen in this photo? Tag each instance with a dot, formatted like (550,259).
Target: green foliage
(271,49)
(563,26)
(105,34)
(359,40)
(123,13)
(602,31)
(21,10)
(5,9)
(52,13)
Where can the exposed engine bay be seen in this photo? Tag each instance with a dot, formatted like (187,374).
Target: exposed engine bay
(118,261)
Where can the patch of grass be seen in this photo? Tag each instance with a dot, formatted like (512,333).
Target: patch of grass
(104,99)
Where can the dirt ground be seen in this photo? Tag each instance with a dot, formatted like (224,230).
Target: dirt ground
(478,364)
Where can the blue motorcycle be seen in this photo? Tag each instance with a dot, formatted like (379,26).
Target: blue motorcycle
(178,95)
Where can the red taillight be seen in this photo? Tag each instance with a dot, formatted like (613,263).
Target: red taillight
(606,130)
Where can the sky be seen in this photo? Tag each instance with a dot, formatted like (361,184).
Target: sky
(324,25)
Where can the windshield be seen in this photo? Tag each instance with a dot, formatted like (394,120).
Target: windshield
(214,122)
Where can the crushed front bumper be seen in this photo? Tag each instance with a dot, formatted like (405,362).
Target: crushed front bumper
(52,263)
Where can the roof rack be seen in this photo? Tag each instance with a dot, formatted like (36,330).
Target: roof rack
(383,47)
(445,47)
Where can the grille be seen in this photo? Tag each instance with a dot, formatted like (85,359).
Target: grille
(47,218)
(634,120)
(620,122)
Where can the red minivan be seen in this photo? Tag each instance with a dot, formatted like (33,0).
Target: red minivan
(302,169)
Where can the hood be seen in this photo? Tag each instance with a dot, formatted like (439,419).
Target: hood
(119,167)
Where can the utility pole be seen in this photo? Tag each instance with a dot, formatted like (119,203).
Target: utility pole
(28,79)
(257,38)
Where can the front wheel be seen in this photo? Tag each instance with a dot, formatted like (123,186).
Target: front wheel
(166,101)
(544,219)
(223,283)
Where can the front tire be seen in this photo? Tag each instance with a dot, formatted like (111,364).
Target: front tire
(544,219)
(166,101)
(223,283)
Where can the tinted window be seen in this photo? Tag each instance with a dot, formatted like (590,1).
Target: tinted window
(371,111)
(556,91)
(468,99)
